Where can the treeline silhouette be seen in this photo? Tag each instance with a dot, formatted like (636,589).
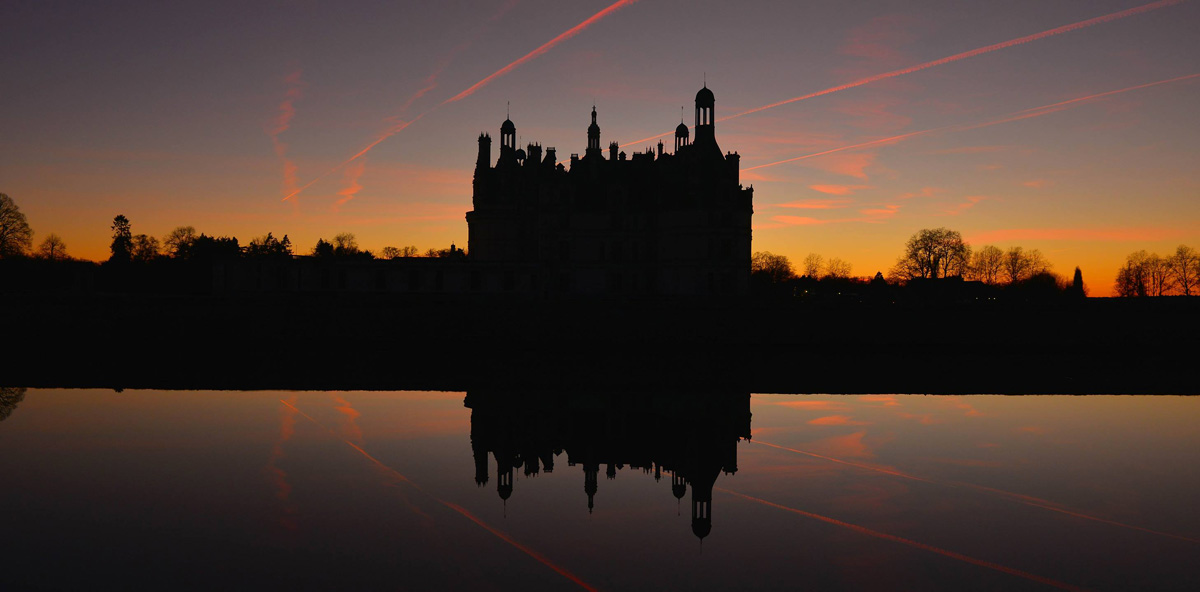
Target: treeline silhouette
(1148,274)
(937,264)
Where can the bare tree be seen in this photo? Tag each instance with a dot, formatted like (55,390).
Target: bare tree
(987,264)
(1158,275)
(145,248)
(345,244)
(813,264)
(53,248)
(15,235)
(772,268)
(178,242)
(1131,279)
(837,268)
(933,253)
(1184,268)
(1020,264)
(398,252)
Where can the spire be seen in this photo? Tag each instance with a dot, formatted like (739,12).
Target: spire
(593,145)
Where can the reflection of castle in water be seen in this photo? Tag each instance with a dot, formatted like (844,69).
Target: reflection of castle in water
(690,438)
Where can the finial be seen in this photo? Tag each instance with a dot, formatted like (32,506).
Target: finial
(705,79)
(508,109)
(681,114)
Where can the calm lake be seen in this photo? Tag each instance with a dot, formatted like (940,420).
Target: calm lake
(646,491)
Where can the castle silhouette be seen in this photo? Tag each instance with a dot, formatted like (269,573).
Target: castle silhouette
(690,437)
(655,223)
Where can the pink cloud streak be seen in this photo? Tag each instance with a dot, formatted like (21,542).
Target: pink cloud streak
(948,59)
(545,47)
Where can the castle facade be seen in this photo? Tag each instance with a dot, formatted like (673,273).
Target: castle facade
(656,223)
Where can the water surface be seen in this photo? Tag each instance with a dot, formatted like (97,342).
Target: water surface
(503,491)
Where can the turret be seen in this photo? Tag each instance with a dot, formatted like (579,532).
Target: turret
(705,115)
(612,150)
(593,146)
(681,136)
(508,138)
(484,159)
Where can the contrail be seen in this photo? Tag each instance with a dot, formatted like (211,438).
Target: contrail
(1015,116)
(1028,500)
(911,543)
(431,82)
(391,132)
(540,558)
(281,123)
(954,58)
(547,46)
(851,147)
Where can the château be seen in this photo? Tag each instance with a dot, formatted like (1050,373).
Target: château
(653,223)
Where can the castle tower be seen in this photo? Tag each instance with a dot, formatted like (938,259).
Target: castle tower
(484,160)
(705,116)
(593,147)
(681,136)
(508,138)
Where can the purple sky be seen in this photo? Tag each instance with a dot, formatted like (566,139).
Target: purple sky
(195,113)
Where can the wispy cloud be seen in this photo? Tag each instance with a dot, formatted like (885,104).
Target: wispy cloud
(968,203)
(816,204)
(352,185)
(1111,233)
(1016,116)
(953,58)
(281,123)
(836,420)
(838,190)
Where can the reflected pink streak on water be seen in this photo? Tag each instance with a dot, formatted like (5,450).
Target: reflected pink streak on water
(1018,497)
(891,537)
(462,511)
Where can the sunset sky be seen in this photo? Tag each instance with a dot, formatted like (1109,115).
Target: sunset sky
(212,113)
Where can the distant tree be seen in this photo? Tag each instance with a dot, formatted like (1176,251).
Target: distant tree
(836,268)
(9,398)
(987,265)
(345,244)
(122,242)
(1132,280)
(1019,264)
(1158,275)
(769,268)
(813,264)
(1078,288)
(145,248)
(53,248)
(178,242)
(409,251)
(269,247)
(933,253)
(389,252)
(322,249)
(211,248)
(1184,267)
(15,235)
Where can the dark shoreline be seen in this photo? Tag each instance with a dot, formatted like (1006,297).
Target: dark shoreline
(386,342)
